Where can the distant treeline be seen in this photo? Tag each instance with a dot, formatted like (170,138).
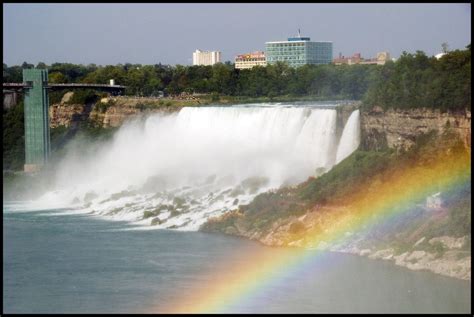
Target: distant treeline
(414,80)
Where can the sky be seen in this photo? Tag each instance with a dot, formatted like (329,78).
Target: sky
(109,34)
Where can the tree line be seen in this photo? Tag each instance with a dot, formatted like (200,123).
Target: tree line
(414,80)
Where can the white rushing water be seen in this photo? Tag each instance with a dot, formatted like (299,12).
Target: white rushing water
(350,138)
(176,171)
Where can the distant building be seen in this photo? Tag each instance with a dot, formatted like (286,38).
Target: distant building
(245,61)
(355,59)
(298,51)
(438,56)
(206,57)
(381,59)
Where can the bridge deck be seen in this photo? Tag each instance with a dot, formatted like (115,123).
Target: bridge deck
(64,86)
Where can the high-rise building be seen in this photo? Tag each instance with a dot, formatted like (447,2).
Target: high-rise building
(206,57)
(249,60)
(298,51)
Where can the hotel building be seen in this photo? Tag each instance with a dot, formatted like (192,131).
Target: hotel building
(298,51)
(249,60)
(206,57)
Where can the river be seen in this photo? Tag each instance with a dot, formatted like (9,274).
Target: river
(58,263)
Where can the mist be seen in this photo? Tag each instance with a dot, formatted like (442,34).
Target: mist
(176,171)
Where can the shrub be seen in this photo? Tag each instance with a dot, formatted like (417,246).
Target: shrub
(83,96)
(297,227)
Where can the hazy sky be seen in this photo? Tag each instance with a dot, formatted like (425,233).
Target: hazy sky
(169,33)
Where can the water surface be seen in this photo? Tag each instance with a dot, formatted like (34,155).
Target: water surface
(82,264)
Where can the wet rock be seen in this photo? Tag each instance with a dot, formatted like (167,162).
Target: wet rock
(231,230)
(385,254)
(156,221)
(364,252)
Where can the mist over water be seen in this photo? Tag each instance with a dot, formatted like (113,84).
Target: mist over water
(176,171)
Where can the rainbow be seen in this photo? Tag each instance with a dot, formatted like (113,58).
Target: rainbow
(396,195)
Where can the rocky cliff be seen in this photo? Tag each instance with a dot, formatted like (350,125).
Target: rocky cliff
(108,112)
(399,128)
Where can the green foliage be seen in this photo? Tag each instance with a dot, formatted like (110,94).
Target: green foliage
(12,74)
(102,107)
(83,96)
(416,80)
(214,97)
(57,78)
(97,133)
(56,133)
(459,220)
(345,176)
(55,96)
(72,73)
(13,137)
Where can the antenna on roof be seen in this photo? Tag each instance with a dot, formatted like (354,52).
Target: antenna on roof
(299,33)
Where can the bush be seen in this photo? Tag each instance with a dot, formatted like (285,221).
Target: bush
(84,96)
(13,137)
(55,97)
(297,227)
(215,96)
(102,107)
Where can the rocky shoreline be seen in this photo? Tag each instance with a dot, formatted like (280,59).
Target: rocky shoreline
(453,263)
(445,255)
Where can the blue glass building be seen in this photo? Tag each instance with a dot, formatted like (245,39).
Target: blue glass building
(298,51)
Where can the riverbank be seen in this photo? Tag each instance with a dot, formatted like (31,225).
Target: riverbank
(410,207)
(444,255)
(454,261)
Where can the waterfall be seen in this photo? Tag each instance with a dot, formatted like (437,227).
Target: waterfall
(350,138)
(176,171)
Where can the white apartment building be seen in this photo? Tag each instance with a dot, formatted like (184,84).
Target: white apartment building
(206,57)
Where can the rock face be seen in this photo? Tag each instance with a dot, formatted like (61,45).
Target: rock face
(64,115)
(114,116)
(110,112)
(399,128)
(449,242)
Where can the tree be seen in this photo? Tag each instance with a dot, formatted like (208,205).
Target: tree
(41,65)
(25,65)
(57,78)
(445,47)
